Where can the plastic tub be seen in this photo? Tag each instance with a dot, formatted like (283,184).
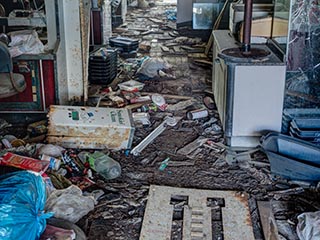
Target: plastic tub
(292,158)
(306,127)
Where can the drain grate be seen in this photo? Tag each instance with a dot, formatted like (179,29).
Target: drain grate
(199,210)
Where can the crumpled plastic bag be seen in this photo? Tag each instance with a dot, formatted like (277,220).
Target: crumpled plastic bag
(22,200)
(308,227)
(69,204)
(25,42)
(50,150)
(151,66)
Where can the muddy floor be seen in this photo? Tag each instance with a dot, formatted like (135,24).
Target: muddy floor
(191,154)
(119,213)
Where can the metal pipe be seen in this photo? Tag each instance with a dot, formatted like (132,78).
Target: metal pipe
(247,25)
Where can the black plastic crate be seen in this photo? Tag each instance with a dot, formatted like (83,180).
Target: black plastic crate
(103,65)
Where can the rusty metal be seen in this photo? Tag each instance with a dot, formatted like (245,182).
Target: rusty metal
(247,26)
(157,221)
(89,127)
(254,53)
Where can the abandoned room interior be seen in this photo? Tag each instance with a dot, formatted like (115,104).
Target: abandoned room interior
(160,119)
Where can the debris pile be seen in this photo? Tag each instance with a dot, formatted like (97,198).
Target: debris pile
(153,122)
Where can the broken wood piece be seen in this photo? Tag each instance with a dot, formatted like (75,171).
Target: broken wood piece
(189,148)
(177,49)
(181,105)
(194,154)
(268,222)
(216,149)
(156,20)
(171,44)
(164,48)
(203,62)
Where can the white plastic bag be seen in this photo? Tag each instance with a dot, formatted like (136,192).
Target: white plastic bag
(25,42)
(69,204)
(151,66)
(308,227)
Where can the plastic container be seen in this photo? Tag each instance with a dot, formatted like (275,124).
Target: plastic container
(105,165)
(306,127)
(292,113)
(292,158)
(196,114)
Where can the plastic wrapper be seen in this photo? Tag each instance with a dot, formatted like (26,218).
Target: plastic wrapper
(25,42)
(51,150)
(22,200)
(308,227)
(151,66)
(69,204)
(26,163)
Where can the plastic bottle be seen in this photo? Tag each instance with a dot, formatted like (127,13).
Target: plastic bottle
(164,164)
(106,166)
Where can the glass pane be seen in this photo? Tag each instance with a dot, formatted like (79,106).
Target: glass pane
(281,22)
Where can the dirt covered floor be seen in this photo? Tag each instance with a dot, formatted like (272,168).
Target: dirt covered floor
(119,214)
(191,154)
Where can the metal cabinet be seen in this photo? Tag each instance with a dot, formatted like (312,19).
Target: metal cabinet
(249,96)
(40,93)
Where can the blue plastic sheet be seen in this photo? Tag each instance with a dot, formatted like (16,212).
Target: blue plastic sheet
(22,200)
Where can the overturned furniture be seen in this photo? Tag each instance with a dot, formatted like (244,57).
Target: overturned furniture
(90,127)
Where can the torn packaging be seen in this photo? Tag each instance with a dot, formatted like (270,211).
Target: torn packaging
(89,127)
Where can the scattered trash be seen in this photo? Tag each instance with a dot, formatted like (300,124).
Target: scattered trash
(26,163)
(196,114)
(89,127)
(69,204)
(54,162)
(50,150)
(67,225)
(25,42)
(131,86)
(37,128)
(180,105)
(22,200)
(164,164)
(151,66)
(148,108)
(104,165)
(141,118)
(209,103)
(168,121)
(308,226)
(211,121)
(52,232)
(189,148)
(171,14)
(159,101)
(4,124)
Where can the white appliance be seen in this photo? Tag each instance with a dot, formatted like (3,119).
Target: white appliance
(249,96)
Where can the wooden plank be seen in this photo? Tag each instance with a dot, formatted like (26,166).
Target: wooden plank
(164,48)
(156,20)
(268,222)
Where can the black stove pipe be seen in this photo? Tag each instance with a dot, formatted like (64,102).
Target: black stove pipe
(247,25)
